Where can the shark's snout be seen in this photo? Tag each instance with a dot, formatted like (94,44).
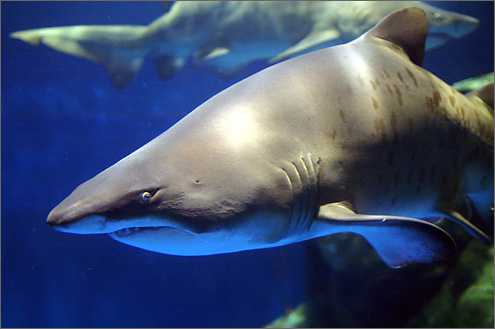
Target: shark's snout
(72,220)
(52,218)
(61,215)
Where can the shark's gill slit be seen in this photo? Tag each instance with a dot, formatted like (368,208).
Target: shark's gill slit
(308,192)
(303,196)
(305,185)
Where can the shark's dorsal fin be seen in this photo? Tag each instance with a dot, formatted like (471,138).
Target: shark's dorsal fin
(406,28)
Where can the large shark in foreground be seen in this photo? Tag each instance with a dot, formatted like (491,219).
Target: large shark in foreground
(353,138)
(229,34)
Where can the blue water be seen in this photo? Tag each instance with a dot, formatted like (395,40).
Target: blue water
(62,123)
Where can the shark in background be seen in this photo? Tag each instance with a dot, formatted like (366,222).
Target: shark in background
(227,35)
(353,138)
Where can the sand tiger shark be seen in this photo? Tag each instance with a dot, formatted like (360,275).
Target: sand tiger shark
(353,138)
(227,35)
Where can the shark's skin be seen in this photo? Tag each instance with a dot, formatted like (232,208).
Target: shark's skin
(356,138)
(227,35)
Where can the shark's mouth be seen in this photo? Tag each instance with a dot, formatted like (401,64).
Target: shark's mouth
(97,224)
(436,39)
(130,231)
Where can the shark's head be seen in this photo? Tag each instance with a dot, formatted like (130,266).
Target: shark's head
(445,25)
(179,196)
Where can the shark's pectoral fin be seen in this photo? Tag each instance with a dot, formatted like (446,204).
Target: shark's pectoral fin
(398,240)
(313,39)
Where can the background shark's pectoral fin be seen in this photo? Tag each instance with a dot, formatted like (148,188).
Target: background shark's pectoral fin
(168,65)
(217,52)
(219,56)
(218,46)
(313,39)
(123,69)
(399,241)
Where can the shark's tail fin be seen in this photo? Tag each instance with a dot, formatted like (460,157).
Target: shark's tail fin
(119,47)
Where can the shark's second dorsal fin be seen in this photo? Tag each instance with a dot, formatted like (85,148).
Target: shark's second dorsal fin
(485,94)
(406,28)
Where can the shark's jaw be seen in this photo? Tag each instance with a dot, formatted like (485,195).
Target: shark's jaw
(96,224)
(168,236)
(149,233)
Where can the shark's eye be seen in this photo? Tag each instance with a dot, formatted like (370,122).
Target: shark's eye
(146,196)
(437,17)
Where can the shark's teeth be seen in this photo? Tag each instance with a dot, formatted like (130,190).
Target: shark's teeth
(129,231)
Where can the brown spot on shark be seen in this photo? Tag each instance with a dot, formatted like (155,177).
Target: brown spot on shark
(399,95)
(375,102)
(348,89)
(380,128)
(373,84)
(386,73)
(390,90)
(360,80)
(429,102)
(342,115)
(436,98)
(411,75)
(410,125)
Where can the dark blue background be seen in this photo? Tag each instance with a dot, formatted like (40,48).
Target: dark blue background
(62,123)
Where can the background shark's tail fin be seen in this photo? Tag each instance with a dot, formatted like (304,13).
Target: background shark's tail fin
(119,47)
